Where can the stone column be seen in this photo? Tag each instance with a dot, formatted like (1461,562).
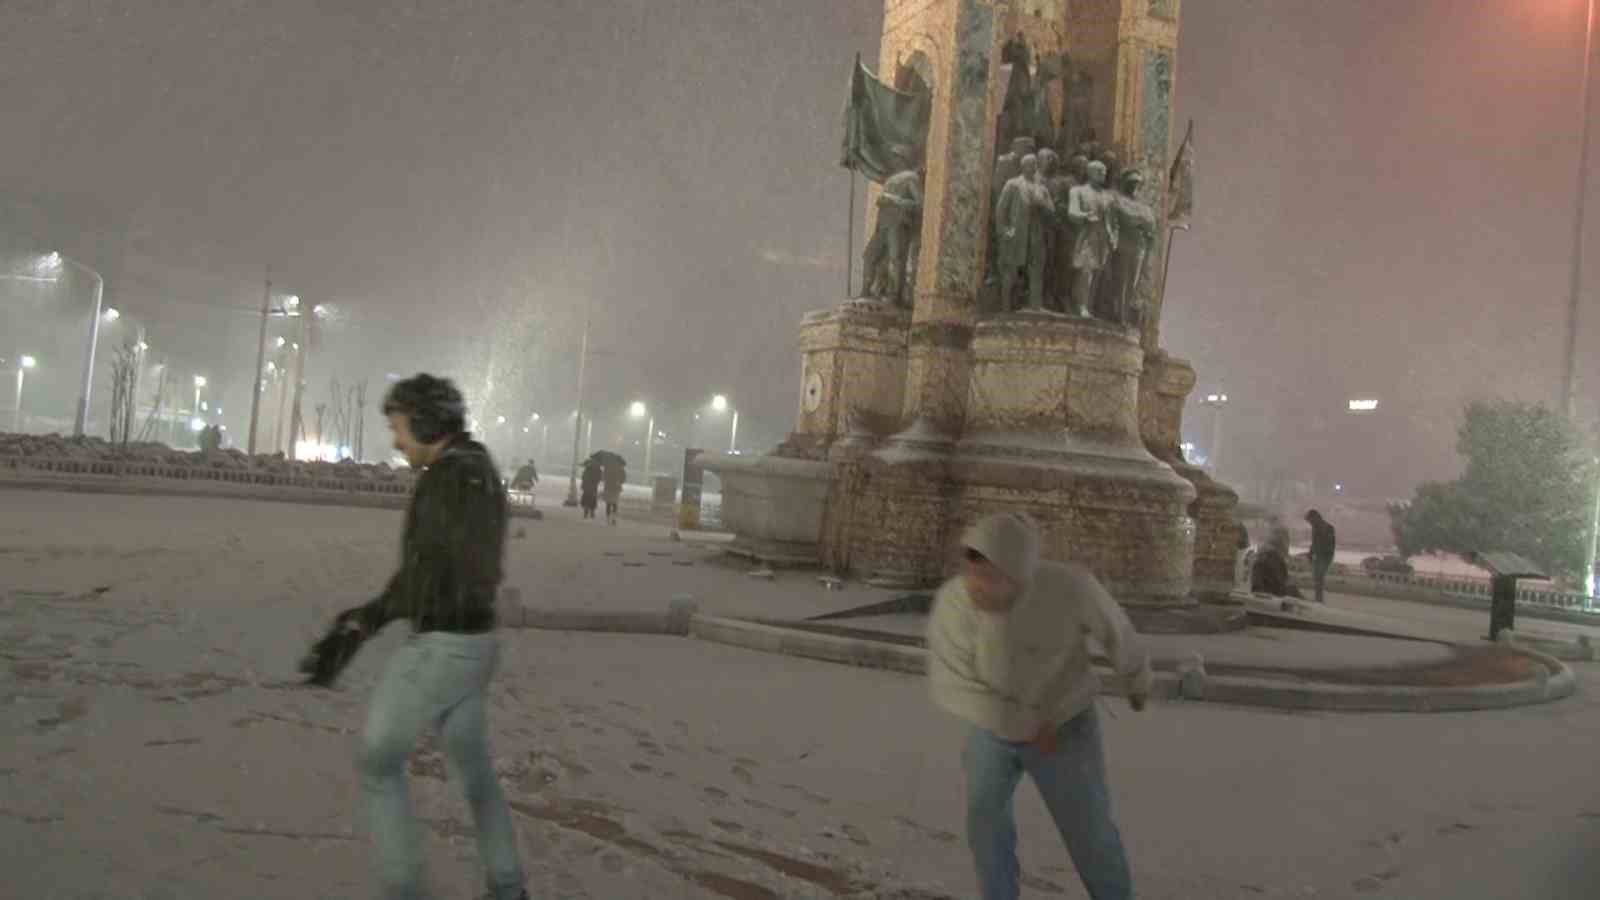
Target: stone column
(955,219)
(902,509)
(1165,385)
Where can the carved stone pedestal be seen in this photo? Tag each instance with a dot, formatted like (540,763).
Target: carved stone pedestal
(853,366)
(1052,430)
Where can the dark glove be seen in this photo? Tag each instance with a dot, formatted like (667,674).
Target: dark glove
(329,656)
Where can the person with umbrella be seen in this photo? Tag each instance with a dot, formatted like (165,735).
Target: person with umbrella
(590,497)
(616,472)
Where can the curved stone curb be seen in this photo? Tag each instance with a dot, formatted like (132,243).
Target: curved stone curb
(810,645)
(1383,698)
(309,492)
(1193,685)
(511,613)
(1281,612)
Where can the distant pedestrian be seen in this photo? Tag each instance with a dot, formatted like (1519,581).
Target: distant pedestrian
(526,478)
(590,486)
(1269,572)
(1008,653)
(1323,542)
(616,472)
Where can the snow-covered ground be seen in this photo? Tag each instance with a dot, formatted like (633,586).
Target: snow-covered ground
(154,744)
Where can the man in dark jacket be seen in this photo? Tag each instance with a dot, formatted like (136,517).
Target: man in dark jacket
(450,570)
(1322,545)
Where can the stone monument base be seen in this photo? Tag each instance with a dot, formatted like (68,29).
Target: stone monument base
(1052,430)
(773,505)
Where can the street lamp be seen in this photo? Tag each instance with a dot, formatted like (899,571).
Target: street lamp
(55,261)
(23,365)
(639,411)
(719,403)
(111,314)
(199,383)
(1217,402)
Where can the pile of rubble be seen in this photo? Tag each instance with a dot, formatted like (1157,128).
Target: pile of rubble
(31,450)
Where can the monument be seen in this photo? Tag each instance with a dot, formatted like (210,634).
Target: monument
(1027,371)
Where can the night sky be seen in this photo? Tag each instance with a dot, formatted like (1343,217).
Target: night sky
(1384,203)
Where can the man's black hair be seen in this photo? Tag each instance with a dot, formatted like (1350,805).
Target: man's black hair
(434,405)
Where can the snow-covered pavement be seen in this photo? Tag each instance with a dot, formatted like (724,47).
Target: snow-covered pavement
(153,744)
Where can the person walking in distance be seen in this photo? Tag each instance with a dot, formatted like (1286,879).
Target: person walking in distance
(450,569)
(591,487)
(1008,653)
(615,474)
(1323,541)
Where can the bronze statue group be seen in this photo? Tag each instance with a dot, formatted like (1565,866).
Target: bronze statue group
(1062,239)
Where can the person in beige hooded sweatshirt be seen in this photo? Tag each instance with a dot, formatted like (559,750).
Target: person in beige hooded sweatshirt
(1008,653)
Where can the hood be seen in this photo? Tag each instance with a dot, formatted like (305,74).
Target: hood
(1010,541)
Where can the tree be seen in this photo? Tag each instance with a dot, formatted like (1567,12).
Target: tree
(1527,488)
(124,382)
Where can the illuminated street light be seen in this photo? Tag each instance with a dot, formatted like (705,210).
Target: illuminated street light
(111,314)
(199,383)
(499,420)
(23,365)
(719,404)
(1217,402)
(281,342)
(638,410)
(54,261)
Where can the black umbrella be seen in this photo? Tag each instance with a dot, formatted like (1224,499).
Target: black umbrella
(607,458)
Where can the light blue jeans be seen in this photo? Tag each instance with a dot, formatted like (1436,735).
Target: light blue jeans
(1072,782)
(435,680)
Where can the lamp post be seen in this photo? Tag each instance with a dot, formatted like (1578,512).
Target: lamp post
(289,309)
(1217,402)
(640,411)
(54,261)
(23,365)
(199,385)
(1569,383)
(577,422)
(720,404)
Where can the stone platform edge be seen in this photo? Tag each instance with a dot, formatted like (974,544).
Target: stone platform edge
(683,621)
(226,484)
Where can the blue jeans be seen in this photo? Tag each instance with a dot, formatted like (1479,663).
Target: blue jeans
(435,680)
(1072,782)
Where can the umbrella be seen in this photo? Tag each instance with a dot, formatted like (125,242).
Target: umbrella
(607,458)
